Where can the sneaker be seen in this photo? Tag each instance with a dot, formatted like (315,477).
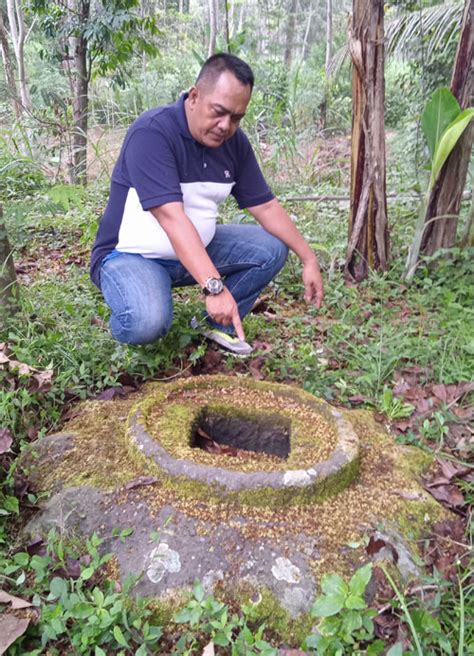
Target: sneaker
(228,342)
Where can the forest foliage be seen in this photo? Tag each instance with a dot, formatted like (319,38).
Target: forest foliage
(75,75)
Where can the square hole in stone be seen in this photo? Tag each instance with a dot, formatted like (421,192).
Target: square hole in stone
(263,433)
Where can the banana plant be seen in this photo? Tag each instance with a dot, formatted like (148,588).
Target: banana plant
(443,123)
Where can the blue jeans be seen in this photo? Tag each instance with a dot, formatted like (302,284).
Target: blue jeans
(138,289)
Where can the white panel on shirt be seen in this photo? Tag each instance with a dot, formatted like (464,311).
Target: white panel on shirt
(141,233)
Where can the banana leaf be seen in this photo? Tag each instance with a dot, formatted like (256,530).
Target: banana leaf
(448,140)
(439,113)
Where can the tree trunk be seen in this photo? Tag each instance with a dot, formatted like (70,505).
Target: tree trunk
(306,33)
(8,284)
(8,68)
(226,25)
(328,35)
(446,196)
(212,27)
(80,84)
(18,34)
(368,229)
(468,236)
(290,34)
(240,24)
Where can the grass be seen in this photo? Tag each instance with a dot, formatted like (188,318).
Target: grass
(349,350)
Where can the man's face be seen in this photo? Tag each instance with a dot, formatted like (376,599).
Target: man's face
(214,113)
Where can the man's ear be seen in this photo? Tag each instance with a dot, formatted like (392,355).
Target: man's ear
(193,95)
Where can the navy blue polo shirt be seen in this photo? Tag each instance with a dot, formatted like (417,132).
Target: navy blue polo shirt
(160,162)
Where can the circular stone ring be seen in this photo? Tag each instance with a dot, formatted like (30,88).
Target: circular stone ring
(260,418)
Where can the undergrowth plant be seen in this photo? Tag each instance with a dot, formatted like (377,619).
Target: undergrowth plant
(204,614)
(81,609)
(345,623)
(82,614)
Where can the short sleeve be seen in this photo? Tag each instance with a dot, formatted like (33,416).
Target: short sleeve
(251,188)
(151,168)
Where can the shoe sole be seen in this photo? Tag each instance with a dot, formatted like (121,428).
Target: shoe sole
(222,342)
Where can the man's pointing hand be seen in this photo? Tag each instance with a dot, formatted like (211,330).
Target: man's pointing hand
(223,309)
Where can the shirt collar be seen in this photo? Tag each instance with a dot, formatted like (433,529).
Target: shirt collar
(182,120)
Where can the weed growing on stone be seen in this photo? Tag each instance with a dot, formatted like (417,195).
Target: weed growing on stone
(205,615)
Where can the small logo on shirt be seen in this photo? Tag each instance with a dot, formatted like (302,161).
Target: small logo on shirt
(227,174)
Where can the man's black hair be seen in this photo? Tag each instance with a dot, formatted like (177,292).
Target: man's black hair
(221,62)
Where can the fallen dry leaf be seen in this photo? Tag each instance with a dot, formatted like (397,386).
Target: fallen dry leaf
(210,362)
(6,440)
(386,625)
(446,547)
(112,392)
(449,494)
(43,380)
(466,413)
(20,367)
(423,406)
(403,425)
(37,547)
(357,399)
(453,469)
(255,367)
(262,346)
(208,650)
(401,387)
(32,433)
(16,602)
(72,568)
(441,392)
(141,480)
(377,544)
(11,628)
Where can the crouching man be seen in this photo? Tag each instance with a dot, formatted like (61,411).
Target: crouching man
(177,163)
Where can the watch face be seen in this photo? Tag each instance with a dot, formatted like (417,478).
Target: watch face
(214,285)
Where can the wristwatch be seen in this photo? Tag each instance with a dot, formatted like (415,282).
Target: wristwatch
(213,286)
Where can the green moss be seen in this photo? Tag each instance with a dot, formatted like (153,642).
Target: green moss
(413,461)
(417,516)
(312,494)
(164,610)
(280,626)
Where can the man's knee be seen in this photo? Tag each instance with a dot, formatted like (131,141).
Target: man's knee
(144,329)
(281,253)
(277,252)
(138,293)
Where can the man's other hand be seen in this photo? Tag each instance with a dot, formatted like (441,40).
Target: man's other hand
(313,283)
(223,309)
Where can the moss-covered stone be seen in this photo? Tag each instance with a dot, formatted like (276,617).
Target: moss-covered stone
(95,451)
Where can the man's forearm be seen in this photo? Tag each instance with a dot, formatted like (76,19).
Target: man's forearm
(186,241)
(192,254)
